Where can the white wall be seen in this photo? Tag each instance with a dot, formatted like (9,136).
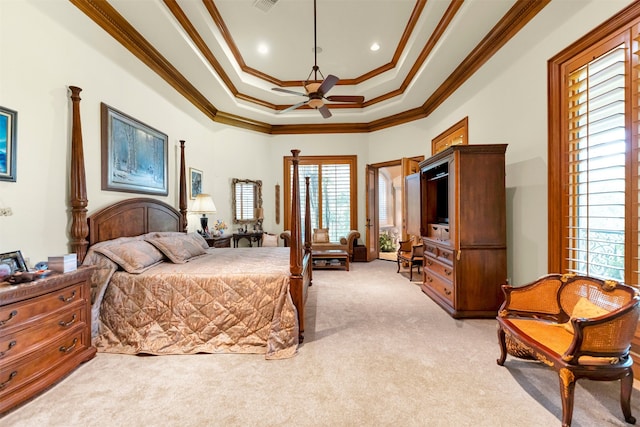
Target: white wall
(47,45)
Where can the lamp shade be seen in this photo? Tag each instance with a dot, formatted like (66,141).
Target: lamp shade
(203,204)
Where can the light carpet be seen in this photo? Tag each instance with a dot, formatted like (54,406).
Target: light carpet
(378,352)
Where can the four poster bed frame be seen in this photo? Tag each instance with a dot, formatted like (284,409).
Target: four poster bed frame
(137,216)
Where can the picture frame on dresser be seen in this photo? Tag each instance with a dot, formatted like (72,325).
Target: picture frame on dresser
(134,155)
(14,260)
(8,143)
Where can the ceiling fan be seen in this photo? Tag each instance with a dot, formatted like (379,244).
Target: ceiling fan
(315,92)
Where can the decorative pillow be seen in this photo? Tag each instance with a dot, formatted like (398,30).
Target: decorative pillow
(269,240)
(133,256)
(320,235)
(584,309)
(179,249)
(195,236)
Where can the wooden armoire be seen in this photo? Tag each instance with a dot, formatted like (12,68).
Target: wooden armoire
(463,227)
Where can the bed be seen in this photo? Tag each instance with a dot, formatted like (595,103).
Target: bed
(188,299)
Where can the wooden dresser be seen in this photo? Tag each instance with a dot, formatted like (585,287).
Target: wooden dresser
(463,227)
(45,333)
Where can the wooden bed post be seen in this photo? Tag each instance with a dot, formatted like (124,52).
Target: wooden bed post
(307,217)
(78,191)
(182,201)
(295,256)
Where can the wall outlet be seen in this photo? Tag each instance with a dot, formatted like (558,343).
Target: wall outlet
(6,212)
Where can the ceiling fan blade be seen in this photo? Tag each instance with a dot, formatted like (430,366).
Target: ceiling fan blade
(327,84)
(345,98)
(325,111)
(292,92)
(293,107)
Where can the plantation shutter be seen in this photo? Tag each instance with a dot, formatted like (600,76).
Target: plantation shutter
(331,193)
(382,200)
(596,155)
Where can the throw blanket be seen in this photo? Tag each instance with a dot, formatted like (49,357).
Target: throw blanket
(227,301)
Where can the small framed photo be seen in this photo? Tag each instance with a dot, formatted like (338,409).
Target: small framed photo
(8,142)
(134,155)
(196,182)
(14,260)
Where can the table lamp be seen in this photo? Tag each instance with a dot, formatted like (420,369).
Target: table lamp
(203,205)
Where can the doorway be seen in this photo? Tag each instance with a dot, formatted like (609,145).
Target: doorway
(386,206)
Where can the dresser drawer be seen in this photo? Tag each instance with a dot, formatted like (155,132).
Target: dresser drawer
(28,369)
(430,249)
(27,340)
(20,315)
(441,269)
(445,255)
(443,287)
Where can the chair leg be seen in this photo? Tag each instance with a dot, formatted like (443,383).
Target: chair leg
(626,386)
(503,346)
(411,272)
(398,260)
(567,388)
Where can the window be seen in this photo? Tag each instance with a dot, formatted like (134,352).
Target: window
(593,154)
(383,190)
(332,192)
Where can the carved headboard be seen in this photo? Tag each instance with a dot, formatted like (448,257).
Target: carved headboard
(133,217)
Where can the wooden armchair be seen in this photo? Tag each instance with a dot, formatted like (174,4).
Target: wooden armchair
(412,253)
(580,326)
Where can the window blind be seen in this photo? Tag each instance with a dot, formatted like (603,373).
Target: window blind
(596,167)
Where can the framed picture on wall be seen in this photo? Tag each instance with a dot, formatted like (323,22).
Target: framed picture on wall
(8,141)
(134,155)
(196,182)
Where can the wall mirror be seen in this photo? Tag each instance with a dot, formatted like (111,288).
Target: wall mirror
(247,200)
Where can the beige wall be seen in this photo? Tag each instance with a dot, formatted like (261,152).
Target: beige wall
(47,45)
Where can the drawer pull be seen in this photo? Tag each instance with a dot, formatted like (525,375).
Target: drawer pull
(429,263)
(69,323)
(9,347)
(13,314)
(447,272)
(447,291)
(64,349)
(71,298)
(11,376)
(429,279)
(445,255)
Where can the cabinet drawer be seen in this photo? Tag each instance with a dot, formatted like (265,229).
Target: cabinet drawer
(20,315)
(441,286)
(445,271)
(445,255)
(27,369)
(429,248)
(29,339)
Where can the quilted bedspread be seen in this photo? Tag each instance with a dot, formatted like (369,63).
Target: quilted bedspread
(227,301)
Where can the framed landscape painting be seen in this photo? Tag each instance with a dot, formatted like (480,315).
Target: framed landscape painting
(196,182)
(134,155)
(8,141)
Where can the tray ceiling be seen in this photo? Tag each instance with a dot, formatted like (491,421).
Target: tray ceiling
(209,51)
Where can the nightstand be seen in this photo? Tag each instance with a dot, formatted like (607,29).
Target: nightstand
(45,333)
(219,242)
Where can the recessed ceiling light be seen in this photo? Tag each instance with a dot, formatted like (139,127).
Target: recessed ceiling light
(263,48)
(374,47)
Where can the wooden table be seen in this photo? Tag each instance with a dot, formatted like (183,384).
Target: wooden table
(330,259)
(251,236)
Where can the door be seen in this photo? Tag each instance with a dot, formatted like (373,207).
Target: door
(410,166)
(372,229)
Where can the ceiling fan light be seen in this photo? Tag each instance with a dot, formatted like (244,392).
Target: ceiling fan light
(312,87)
(315,103)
